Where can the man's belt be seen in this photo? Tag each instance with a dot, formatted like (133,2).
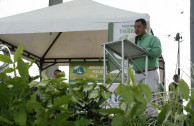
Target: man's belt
(150,69)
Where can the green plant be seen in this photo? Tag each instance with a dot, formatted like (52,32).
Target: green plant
(133,102)
(56,103)
(74,104)
(90,98)
(14,92)
(173,110)
(135,98)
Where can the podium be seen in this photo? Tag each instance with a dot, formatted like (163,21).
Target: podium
(127,51)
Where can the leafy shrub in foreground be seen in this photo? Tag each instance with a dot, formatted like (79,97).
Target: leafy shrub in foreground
(56,103)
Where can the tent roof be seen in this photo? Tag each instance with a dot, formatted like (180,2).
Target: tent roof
(74,29)
(77,15)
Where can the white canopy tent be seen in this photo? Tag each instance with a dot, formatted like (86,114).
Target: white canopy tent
(65,32)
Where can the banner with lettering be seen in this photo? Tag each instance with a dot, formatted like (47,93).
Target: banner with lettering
(93,70)
(124,30)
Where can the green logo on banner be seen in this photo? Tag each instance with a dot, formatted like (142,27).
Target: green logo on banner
(78,70)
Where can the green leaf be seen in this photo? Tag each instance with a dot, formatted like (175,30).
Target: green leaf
(62,122)
(23,70)
(138,109)
(34,96)
(157,106)
(61,74)
(5,121)
(62,100)
(184,89)
(142,120)
(192,96)
(50,89)
(111,111)
(74,99)
(128,98)
(41,122)
(4,95)
(103,88)
(123,89)
(61,119)
(88,87)
(8,70)
(169,124)
(106,95)
(77,88)
(131,75)
(162,114)
(34,78)
(188,107)
(44,76)
(181,117)
(18,53)
(33,104)
(126,93)
(43,83)
(146,90)
(94,94)
(119,89)
(83,122)
(139,97)
(33,84)
(117,121)
(20,117)
(5,59)
(33,61)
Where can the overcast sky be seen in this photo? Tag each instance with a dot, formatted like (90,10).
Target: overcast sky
(167,17)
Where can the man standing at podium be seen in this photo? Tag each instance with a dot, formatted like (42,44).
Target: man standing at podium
(152,45)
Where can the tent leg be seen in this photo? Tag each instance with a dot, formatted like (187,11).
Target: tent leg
(104,77)
(41,67)
(122,48)
(127,70)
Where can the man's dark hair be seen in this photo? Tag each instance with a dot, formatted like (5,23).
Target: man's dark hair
(57,70)
(143,21)
(175,76)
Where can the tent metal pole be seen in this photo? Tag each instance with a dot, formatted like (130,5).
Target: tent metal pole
(127,70)
(41,67)
(26,53)
(104,77)
(122,48)
(48,66)
(42,58)
(54,41)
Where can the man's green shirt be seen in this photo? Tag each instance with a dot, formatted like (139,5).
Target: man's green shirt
(152,45)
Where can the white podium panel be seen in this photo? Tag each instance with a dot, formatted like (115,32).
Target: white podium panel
(126,50)
(130,49)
